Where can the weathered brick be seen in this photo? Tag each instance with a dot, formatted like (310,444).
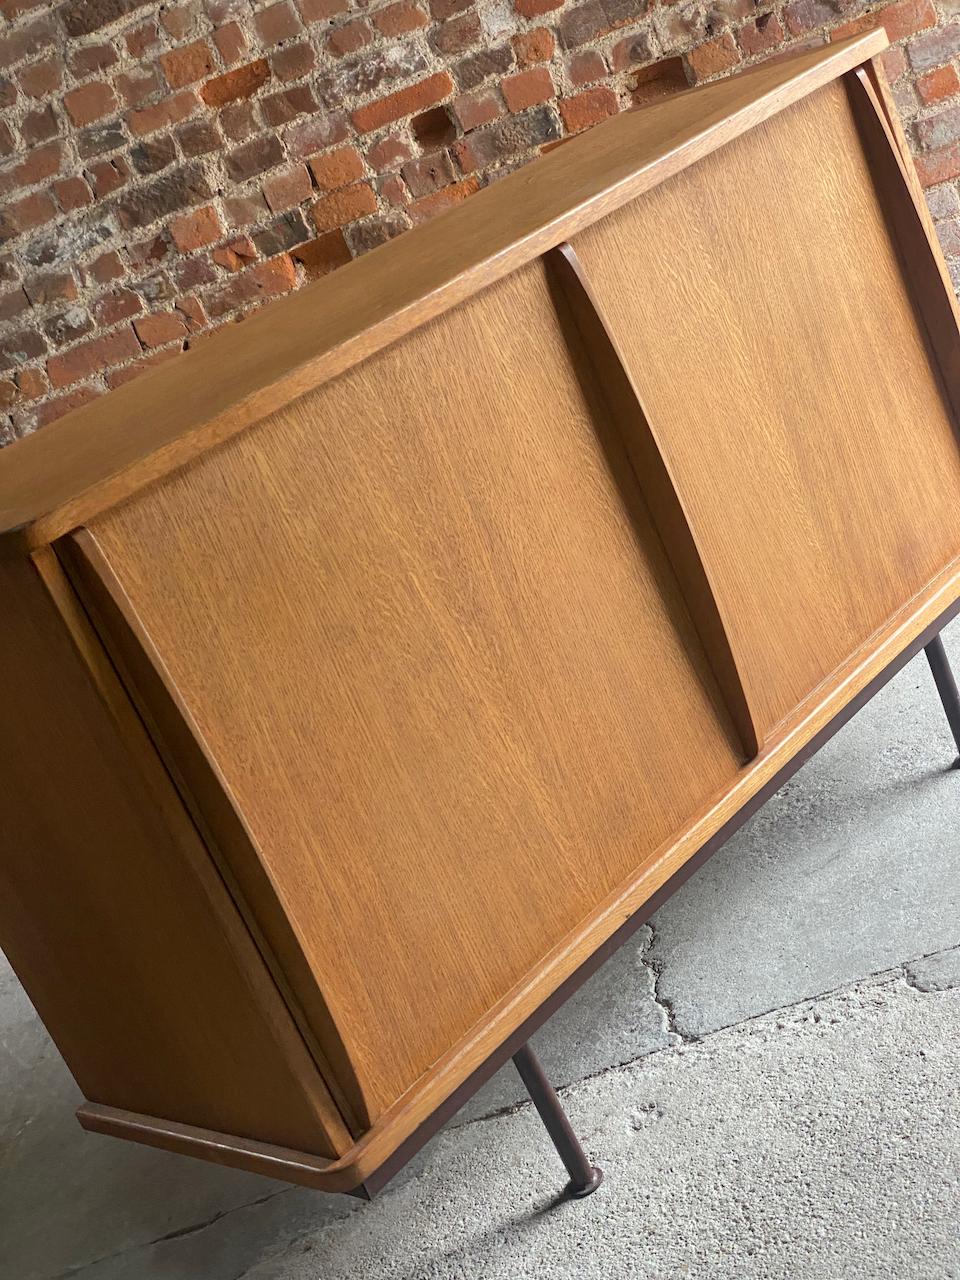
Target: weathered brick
(527,89)
(193,230)
(308,136)
(288,187)
(83,17)
(536,8)
(137,88)
(343,206)
(107,176)
(280,108)
(713,57)
(941,129)
(588,108)
(26,214)
(187,65)
(393,189)
(472,71)
(163,114)
(160,328)
(265,280)
(404,102)
(508,138)
(238,122)
(278,22)
(430,206)
(91,357)
(807,15)
(397,19)
(39,126)
(935,48)
(72,193)
(759,36)
(284,232)
(322,255)
(428,174)
(180,21)
(51,410)
(153,154)
(293,61)
(906,17)
(894,63)
(31,383)
(337,169)
(321,10)
(91,59)
(631,51)
(39,165)
(13,304)
(373,232)
(658,80)
(233,85)
(534,46)
(254,157)
(236,255)
(26,42)
(107,267)
(100,139)
(387,153)
(21,348)
(458,34)
(938,84)
(199,137)
(194,316)
(75,322)
(371,73)
(583,23)
(944,202)
(163,196)
(939,166)
(141,40)
(117,377)
(244,211)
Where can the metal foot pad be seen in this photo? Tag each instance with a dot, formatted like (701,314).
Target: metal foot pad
(579,1192)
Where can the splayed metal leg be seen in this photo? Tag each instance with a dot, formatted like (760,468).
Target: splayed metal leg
(584,1177)
(946,687)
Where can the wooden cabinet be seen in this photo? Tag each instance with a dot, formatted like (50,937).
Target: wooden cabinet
(371,669)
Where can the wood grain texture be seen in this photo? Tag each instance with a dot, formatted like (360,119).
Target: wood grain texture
(625,408)
(110,912)
(836,458)
(433,711)
(62,476)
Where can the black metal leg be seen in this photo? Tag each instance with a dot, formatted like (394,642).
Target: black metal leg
(946,687)
(584,1177)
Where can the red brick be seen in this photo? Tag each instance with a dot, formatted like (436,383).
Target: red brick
(31,383)
(894,63)
(53,286)
(51,410)
(397,19)
(393,189)
(425,175)
(187,65)
(91,59)
(478,109)
(937,85)
(194,230)
(404,102)
(323,255)
(527,89)
(714,56)
(288,187)
(233,85)
(433,128)
(337,168)
(14,304)
(119,304)
(388,153)
(38,126)
(31,211)
(588,108)
(107,267)
(142,39)
(343,206)
(440,10)
(42,78)
(90,102)
(73,193)
(349,38)
(8,394)
(321,10)
(280,108)
(191,309)
(17,348)
(171,111)
(293,61)
(236,255)
(40,163)
(118,377)
(759,36)
(159,329)
(458,34)
(658,80)
(939,166)
(534,8)
(279,22)
(238,121)
(91,357)
(179,22)
(231,42)
(429,206)
(108,176)
(244,211)
(907,17)
(534,46)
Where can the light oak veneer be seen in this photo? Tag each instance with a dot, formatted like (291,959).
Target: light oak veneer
(380,661)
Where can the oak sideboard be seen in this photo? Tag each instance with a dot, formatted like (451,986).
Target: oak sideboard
(374,668)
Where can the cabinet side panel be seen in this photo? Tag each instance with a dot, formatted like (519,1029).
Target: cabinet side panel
(785,371)
(426,630)
(110,912)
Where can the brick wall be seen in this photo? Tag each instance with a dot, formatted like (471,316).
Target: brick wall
(165,168)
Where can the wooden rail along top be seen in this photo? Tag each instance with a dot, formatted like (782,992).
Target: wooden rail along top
(371,670)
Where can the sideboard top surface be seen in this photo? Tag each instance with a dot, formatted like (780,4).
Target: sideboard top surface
(98,455)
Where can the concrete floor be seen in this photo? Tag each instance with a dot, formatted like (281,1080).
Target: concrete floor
(770,1076)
